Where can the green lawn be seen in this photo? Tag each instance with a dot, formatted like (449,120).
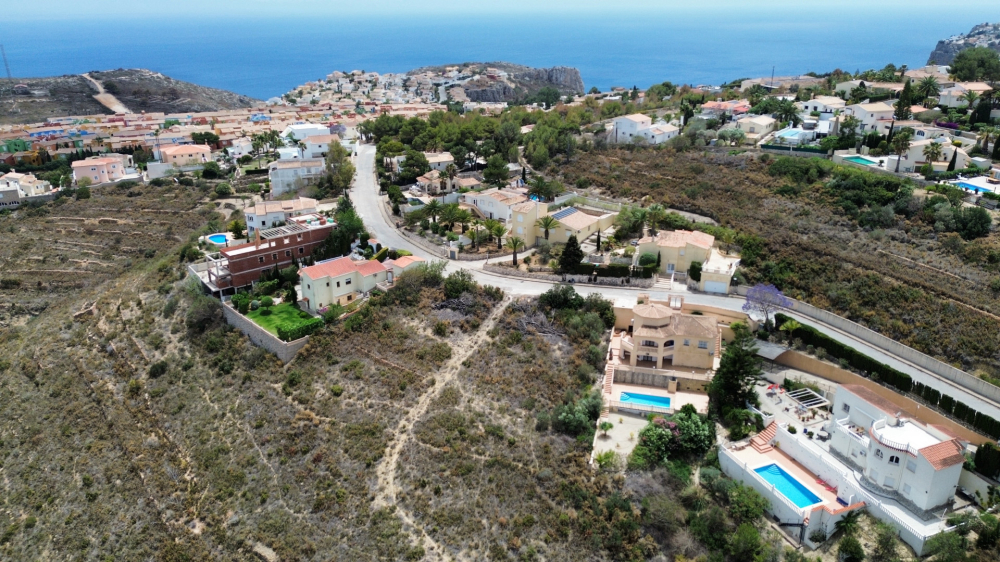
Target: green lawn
(283,313)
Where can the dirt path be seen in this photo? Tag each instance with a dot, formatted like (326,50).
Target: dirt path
(106,99)
(386,471)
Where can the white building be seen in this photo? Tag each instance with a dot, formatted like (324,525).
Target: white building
(631,128)
(494,203)
(240,147)
(822,104)
(289,175)
(756,127)
(870,113)
(268,214)
(952,97)
(27,184)
(289,153)
(918,464)
(439,160)
(317,146)
(340,281)
(301,131)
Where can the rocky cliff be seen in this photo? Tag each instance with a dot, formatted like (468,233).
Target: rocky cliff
(503,81)
(982,35)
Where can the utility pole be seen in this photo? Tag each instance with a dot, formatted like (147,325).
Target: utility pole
(10,79)
(772,77)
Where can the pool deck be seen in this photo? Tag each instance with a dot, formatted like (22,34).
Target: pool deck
(677,399)
(755,459)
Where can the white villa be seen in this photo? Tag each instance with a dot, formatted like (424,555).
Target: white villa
(289,175)
(268,214)
(864,454)
(638,126)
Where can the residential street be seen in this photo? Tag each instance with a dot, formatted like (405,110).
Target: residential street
(366,199)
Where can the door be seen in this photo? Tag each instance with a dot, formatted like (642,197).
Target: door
(716,287)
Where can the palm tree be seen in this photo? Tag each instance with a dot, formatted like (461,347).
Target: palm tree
(900,144)
(787,111)
(790,326)
(728,237)
(499,230)
(490,226)
(449,214)
(928,87)
(433,209)
(987,132)
(539,187)
(547,223)
(850,523)
(474,224)
(932,152)
(514,244)
(451,171)
(655,214)
(970,98)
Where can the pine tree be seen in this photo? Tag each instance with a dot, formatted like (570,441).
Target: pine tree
(572,255)
(733,384)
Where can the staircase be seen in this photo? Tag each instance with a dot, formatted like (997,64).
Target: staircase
(762,441)
(609,378)
(664,283)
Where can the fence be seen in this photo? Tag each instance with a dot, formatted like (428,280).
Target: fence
(957,376)
(618,405)
(781,507)
(796,150)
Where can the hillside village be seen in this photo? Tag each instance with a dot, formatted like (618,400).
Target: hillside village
(413,324)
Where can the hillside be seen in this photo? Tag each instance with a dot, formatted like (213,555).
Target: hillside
(138,89)
(521,81)
(982,35)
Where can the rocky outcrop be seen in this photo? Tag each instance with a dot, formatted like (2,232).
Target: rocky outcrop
(982,35)
(565,79)
(503,81)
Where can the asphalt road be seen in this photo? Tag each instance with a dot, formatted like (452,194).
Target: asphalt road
(367,202)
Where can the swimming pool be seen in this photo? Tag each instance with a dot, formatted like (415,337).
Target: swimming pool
(219,239)
(860,160)
(791,133)
(645,399)
(975,188)
(787,485)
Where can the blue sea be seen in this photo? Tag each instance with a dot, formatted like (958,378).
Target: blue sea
(265,57)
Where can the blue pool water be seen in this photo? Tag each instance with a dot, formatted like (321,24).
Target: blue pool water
(787,485)
(645,399)
(219,239)
(974,188)
(860,160)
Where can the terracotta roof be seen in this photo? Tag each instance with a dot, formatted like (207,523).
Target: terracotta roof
(652,310)
(943,455)
(342,266)
(578,220)
(467,182)
(525,207)
(637,117)
(288,206)
(884,404)
(322,139)
(681,238)
(681,325)
(403,262)
(185,149)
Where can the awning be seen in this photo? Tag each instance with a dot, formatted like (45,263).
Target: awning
(770,351)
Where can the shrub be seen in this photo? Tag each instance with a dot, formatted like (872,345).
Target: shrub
(267,302)
(850,550)
(458,282)
(83,193)
(441,329)
(818,536)
(293,333)
(158,369)
(647,258)
(336,390)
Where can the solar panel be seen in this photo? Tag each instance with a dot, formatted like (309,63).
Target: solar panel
(559,215)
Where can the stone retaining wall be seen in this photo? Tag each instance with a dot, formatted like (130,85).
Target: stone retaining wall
(259,336)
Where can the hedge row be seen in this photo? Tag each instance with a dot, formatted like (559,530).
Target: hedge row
(896,379)
(988,460)
(614,270)
(860,361)
(381,255)
(299,331)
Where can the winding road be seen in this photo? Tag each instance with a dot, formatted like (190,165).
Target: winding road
(107,100)
(368,203)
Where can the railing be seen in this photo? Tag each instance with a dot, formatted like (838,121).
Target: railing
(766,417)
(841,426)
(640,407)
(767,485)
(904,447)
(627,345)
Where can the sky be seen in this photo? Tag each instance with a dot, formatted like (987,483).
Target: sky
(16,11)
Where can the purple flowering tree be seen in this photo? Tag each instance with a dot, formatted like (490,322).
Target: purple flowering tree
(764,300)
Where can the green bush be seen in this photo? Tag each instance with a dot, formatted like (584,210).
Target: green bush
(381,255)
(988,460)
(295,332)
(336,390)
(158,369)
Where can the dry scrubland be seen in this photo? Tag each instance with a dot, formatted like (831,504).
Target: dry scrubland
(943,307)
(150,431)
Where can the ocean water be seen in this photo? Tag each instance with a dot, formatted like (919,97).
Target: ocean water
(267,57)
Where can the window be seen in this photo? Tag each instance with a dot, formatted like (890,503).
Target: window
(906,489)
(682,251)
(302,250)
(338,283)
(350,297)
(348,282)
(288,253)
(300,237)
(874,476)
(274,257)
(894,460)
(911,465)
(327,283)
(687,342)
(520,218)
(702,345)
(649,343)
(308,286)
(260,259)
(890,482)
(846,407)
(878,453)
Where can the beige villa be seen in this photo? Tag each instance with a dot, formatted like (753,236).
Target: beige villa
(571,221)
(678,249)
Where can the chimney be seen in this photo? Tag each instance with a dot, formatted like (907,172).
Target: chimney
(257,240)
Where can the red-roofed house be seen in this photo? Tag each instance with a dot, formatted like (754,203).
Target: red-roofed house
(340,281)
(678,249)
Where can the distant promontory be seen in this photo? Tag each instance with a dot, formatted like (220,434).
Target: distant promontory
(982,35)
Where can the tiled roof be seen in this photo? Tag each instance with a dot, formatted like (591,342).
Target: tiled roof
(403,262)
(578,220)
(525,207)
(288,206)
(185,149)
(681,238)
(943,455)
(884,404)
(322,139)
(652,310)
(341,266)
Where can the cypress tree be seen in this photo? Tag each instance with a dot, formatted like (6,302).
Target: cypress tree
(996,150)
(572,255)
(954,158)
(905,101)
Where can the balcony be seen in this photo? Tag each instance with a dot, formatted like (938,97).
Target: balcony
(854,431)
(886,442)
